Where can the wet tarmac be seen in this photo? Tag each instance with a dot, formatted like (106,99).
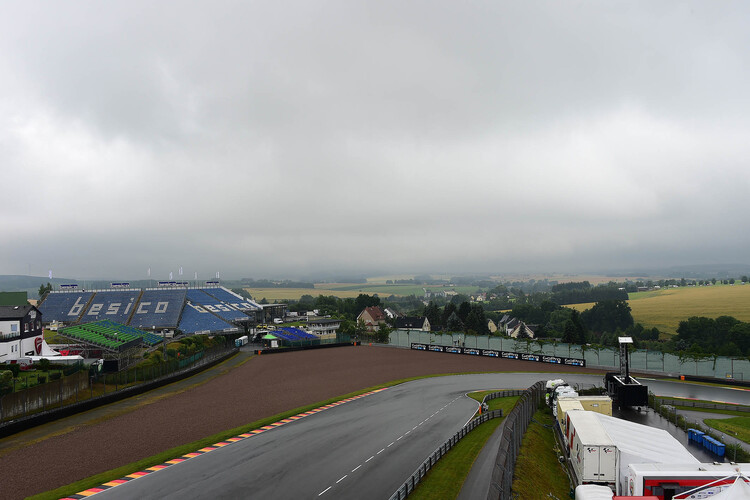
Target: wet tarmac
(647,416)
(670,388)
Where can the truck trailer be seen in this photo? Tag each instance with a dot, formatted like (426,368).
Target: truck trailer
(610,445)
(668,480)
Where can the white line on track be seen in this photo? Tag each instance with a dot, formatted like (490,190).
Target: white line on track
(399,438)
(407,432)
(342,478)
(357,467)
(324,491)
(369,458)
(390,444)
(381,451)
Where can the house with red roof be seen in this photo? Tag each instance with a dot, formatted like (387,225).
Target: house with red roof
(372,317)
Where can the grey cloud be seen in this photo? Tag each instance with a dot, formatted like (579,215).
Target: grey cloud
(282,138)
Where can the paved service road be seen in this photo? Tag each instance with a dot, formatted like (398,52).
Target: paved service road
(362,449)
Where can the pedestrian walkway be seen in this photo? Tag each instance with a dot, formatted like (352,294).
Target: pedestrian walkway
(67,424)
(699,416)
(477,483)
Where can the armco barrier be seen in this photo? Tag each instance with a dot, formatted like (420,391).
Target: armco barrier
(421,471)
(414,479)
(704,404)
(510,444)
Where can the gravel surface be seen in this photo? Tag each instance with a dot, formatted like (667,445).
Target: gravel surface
(261,387)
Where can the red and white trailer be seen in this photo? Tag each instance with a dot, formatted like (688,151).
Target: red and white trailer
(667,481)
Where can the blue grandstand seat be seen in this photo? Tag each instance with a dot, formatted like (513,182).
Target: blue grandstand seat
(64,306)
(232,299)
(114,305)
(283,335)
(224,311)
(297,333)
(159,309)
(196,319)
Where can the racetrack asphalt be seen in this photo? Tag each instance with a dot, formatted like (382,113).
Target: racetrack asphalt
(83,445)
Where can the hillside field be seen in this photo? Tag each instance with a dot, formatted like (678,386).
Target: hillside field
(350,290)
(665,308)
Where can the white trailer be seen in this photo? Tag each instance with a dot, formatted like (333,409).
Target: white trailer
(602,447)
(593,454)
(241,341)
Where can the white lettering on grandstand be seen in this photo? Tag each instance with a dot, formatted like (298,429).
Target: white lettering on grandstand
(222,307)
(95,309)
(210,308)
(127,309)
(197,307)
(161,308)
(113,308)
(77,307)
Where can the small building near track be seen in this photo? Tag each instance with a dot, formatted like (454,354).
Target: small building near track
(323,326)
(21,332)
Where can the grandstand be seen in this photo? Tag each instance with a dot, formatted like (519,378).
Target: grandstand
(110,336)
(115,305)
(228,297)
(159,308)
(196,320)
(64,307)
(221,309)
(213,309)
(294,336)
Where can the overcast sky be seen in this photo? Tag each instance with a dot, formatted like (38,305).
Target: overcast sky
(276,139)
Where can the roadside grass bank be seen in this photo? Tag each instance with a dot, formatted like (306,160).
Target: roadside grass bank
(539,474)
(446,478)
(738,427)
(178,451)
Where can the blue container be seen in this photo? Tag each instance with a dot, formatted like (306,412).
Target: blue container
(696,435)
(720,449)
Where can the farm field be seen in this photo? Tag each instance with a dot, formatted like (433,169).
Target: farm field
(665,308)
(276,294)
(349,290)
(395,289)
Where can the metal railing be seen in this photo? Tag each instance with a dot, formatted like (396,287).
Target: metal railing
(703,404)
(422,470)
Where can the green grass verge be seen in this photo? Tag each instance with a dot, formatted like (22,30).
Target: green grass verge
(738,427)
(538,471)
(178,451)
(445,479)
(506,404)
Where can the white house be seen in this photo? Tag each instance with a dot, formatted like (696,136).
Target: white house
(21,332)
